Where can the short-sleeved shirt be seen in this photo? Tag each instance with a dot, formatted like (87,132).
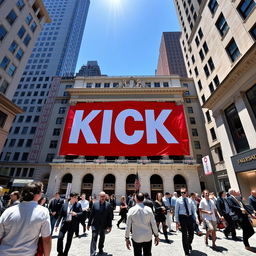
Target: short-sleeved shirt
(208,205)
(20,228)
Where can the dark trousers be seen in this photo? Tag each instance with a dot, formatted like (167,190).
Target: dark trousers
(53,221)
(231,225)
(195,226)
(123,218)
(82,220)
(247,228)
(95,234)
(186,223)
(69,228)
(145,246)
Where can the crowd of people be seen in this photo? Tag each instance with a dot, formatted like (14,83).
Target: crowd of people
(28,220)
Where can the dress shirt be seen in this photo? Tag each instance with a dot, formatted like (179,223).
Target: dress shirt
(69,209)
(20,227)
(180,208)
(141,222)
(166,202)
(84,204)
(173,201)
(208,205)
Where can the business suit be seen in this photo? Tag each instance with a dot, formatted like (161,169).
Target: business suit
(67,226)
(235,206)
(252,202)
(100,219)
(55,206)
(224,210)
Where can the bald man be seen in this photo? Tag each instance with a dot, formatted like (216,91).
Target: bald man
(101,221)
(252,200)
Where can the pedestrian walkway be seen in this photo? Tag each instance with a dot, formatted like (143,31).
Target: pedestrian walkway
(115,245)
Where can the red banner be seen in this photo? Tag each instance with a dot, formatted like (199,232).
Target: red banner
(127,128)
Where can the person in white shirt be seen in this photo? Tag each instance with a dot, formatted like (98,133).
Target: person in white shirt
(141,223)
(22,224)
(209,212)
(85,208)
(167,203)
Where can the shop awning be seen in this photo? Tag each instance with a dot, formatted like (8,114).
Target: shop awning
(21,182)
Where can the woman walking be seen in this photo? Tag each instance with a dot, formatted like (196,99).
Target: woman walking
(123,211)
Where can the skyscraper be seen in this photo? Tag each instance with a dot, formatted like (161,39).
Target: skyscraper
(91,69)
(20,25)
(170,60)
(218,43)
(55,53)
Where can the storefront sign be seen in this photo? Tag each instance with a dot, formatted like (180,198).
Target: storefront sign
(207,165)
(129,128)
(245,161)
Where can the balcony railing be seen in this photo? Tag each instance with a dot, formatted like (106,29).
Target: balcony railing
(157,187)
(87,186)
(109,186)
(130,187)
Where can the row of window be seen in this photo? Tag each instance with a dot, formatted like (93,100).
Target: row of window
(32,86)
(16,156)
(24,130)
(28,101)
(6,65)
(18,143)
(28,119)
(21,172)
(29,93)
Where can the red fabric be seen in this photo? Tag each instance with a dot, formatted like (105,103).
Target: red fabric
(175,124)
(40,248)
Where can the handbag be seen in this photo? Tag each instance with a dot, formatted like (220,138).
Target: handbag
(221,225)
(40,247)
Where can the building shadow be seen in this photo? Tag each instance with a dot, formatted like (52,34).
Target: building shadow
(197,253)
(219,249)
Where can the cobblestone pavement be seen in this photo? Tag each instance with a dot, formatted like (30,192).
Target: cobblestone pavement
(115,245)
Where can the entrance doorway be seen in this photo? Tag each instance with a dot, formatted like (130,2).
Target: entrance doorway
(179,182)
(67,178)
(130,181)
(156,186)
(109,184)
(87,185)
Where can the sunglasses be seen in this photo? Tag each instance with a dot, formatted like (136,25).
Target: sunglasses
(183,192)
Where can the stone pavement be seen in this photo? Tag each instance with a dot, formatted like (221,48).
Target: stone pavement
(115,245)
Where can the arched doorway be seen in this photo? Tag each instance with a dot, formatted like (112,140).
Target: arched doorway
(179,182)
(87,184)
(67,178)
(45,182)
(130,181)
(156,185)
(109,184)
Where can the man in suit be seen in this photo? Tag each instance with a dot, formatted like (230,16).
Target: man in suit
(101,221)
(148,202)
(54,209)
(252,200)
(69,214)
(240,214)
(224,211)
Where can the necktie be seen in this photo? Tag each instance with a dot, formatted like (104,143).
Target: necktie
(186,205)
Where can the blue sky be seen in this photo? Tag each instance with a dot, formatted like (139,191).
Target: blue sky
(124,35)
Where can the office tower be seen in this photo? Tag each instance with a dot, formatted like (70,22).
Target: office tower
(170,60)
(91,69)
(55,53)
(20,25)
(218,43)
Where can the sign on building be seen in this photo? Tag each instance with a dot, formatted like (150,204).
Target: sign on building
(68,191)
(207,165)
(128,128)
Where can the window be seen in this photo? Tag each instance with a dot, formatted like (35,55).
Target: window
(200,33)
(245,8)
(252,32)
(197,41)
(56,132)
(199,158)
(216,81)
(232,50)
(148,84)
(219,153)
(24,172)
(206,49)
(196,71)
(33,130)
(49,157)
(165,84)
(21,32)
(199,85)
(193,59)
(206,71)
(192,120)
(59,120)
(190,110)
(11,70)
(29,19)
(16,130)
(24,156)
(251,96)
(201,54)
(12,142)
(236,129)
(19,54)
(203,99)
(194,132)
(12,172)
(156,84)
(213,5)
(29,143)
(62,110)
(3,118)
(197,145)
(36,119)
(20,143)
(11,17)
(106,85)
(18,172)
(4,86)
(97,85)
(213,134)
(20,119)
(115,84)
(211,64)
(211,87)
(3,32)
(4,63)
(7,156)
(20,4)
(89,85)
(31,172)
(222,25)
(53,144)
(16,156)
(27,39)
(13,47)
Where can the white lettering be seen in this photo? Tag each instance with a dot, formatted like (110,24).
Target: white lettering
(106,127)
(120,127)
(153,125)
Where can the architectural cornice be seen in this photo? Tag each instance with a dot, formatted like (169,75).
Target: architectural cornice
(9,105)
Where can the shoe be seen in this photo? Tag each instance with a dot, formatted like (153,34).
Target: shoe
(101,252)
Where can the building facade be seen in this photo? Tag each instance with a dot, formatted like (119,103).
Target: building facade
(20,25)
(55,53)
(218,43)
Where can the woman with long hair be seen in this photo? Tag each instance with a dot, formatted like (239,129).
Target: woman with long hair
(123,211)
(160,212)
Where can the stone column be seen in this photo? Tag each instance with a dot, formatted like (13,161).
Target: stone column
(76,181)
(120,188)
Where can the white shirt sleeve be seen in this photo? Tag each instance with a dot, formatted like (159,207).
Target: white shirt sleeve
(46,226)
(128,225)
